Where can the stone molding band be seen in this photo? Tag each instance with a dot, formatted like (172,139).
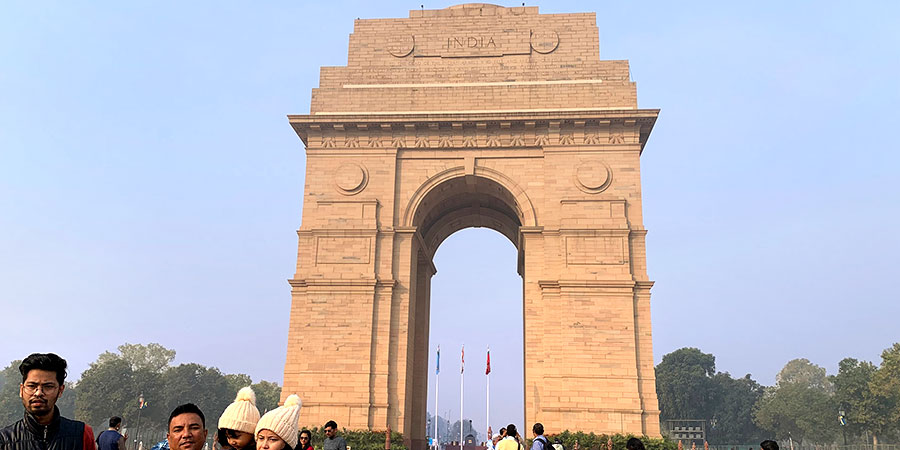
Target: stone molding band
(603,128)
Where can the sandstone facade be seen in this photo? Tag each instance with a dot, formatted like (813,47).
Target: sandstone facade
(475,115)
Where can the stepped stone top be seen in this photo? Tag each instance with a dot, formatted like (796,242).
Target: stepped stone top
(474,58)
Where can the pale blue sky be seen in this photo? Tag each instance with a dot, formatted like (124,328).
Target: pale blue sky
(150,185)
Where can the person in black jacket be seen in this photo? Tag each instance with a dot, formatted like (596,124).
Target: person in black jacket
(42,428)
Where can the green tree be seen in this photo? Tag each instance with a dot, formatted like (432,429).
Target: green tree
(267,395)
(853,394)
(112,385)
(885,402)
(104,390)
(66,401)
(684,384)
(801,371)
(733,409)
(238,380)
(10,404)
(151,357)
(204,386)
(799,406)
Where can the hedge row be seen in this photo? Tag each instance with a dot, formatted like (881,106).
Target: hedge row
(592,441)
(374,440)
(360,439)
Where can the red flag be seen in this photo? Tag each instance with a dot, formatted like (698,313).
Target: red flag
(462,360)
(488,371)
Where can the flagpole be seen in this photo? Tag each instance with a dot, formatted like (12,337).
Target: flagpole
(462,379)
(488,374)
(437,387)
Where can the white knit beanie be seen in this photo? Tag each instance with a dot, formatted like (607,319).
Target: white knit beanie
(241,415)
(283,420)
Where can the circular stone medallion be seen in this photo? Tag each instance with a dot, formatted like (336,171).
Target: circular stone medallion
(350,178)
(401,46)
(544,41)
(593,177)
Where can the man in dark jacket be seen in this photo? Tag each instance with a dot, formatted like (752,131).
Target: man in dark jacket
(42,428)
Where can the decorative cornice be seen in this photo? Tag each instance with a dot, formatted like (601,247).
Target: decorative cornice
(522,129)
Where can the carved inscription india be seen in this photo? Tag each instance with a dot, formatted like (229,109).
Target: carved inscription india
(470,42)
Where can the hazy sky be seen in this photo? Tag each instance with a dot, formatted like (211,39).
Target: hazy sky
(150,186)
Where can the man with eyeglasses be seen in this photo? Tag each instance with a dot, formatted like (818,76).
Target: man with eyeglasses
(332,440)
(42,428)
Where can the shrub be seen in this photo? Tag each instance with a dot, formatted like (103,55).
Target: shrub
(360,439)
(592,441)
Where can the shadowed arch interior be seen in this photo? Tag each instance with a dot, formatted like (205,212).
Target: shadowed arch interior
(463,202)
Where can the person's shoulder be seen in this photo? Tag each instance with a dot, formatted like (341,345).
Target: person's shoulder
(8,431)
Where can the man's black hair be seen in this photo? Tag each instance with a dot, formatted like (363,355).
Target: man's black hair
(114,421)
(634,444)
(331,424)
(187,408)
(538,429)
(769,444)
(51,362)
(511,430)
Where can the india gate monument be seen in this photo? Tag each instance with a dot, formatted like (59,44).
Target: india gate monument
(473,116)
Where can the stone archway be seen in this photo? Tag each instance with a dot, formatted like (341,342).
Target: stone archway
(445,207)
(526,132)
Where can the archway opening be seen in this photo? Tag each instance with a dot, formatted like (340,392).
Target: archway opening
(476,301)
(480,303)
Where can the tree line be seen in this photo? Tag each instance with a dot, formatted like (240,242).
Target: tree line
(859,404)
(114,383)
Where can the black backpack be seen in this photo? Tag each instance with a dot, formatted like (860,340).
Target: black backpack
(546,445)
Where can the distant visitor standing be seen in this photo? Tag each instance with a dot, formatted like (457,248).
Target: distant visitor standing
(332,440)
(511,441)
(540,442)
(112,439)
(305,442)
(42,428)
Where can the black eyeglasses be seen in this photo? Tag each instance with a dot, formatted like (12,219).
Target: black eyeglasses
(31,388)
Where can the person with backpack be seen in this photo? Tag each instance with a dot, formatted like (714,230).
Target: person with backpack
(540,442)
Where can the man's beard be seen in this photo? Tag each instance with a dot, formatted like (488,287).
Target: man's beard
(40,409)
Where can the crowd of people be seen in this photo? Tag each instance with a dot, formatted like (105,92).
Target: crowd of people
(510,439)
(240,426)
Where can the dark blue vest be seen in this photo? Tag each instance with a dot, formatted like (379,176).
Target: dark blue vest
(108,440)
(28,434)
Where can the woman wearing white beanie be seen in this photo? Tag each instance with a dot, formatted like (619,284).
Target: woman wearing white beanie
(277,429)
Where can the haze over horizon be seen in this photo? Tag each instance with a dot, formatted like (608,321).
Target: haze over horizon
(151,187)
